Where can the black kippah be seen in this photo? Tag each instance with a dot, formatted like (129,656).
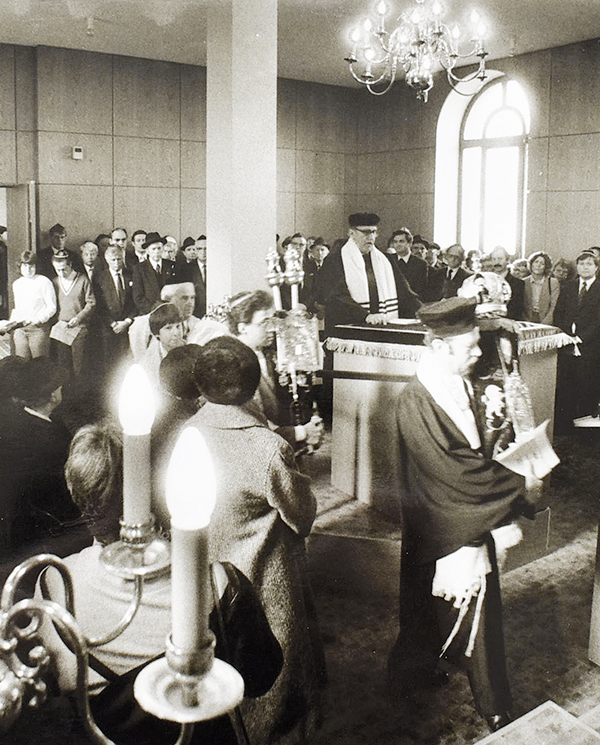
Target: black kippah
(450,317)
(363,218)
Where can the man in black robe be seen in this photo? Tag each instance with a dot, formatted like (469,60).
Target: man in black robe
(457,507)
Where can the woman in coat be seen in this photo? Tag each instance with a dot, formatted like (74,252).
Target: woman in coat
(263,513)
(541,289)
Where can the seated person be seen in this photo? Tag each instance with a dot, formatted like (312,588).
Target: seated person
(94,475)
(33,449)
(167,333)
(34,307)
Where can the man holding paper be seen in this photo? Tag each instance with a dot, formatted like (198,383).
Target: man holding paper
(458,508)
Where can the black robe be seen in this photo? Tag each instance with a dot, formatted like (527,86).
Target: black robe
(451,496)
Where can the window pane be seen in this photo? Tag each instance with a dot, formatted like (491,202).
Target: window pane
(482,108)
(470,198)
(504,123)
(515,97)
(501,193)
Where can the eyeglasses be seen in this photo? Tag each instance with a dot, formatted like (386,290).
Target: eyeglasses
(367,231)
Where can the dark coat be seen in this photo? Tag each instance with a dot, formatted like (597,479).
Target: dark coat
(189,271)
(332,291)
(516,305)
(578,389)
(147,284)
(441,286)
(414,271)
(35,500)
(109,306)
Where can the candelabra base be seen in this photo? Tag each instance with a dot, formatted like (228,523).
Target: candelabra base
(130,560)
(166,694)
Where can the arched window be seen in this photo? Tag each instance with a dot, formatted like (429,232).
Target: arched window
(488,160)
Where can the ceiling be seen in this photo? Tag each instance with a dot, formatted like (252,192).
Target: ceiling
(312,39)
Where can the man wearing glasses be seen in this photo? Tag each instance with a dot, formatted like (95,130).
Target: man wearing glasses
(359,285)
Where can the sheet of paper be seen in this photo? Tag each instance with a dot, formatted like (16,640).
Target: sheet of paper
(531,452)
(61,332)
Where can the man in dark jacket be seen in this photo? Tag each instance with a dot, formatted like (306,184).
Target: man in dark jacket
(150,276)
(578,313)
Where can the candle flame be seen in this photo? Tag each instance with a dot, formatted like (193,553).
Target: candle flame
(191,483)
(137,407)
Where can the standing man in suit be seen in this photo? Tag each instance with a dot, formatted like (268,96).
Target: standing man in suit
(58,244)
(114,305)
(578,313)
(453,276)
(150,276)
(500,261)
(412,267)
(192,268)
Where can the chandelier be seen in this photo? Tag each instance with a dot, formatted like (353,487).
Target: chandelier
(418,44)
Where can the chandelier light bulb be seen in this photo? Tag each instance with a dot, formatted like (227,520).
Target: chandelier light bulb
(475,18)
(137,407)
(415,17)
(455,32)
(436,8)
(191,483)
(369,54)
(367,25)
(382,8)
(481,30)
(355,35)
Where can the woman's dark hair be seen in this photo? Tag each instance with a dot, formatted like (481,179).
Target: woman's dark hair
(163,315)
(244,305)
(227,371)
(176,372)
(94,475)
(543,255)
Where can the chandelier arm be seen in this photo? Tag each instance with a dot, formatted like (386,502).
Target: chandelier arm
(127,618)
(185,736)
(361,80)
(478,73)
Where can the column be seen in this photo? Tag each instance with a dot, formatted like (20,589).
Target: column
(241,143)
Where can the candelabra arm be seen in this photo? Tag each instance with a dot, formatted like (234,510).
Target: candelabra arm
(127,618)
(7,600)
(185,736)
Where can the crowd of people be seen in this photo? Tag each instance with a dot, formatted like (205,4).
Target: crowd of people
(80,316)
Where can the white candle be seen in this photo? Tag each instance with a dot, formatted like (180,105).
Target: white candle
(136,414)
(191,496)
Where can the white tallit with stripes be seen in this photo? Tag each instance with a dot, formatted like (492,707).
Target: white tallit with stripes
(356,279)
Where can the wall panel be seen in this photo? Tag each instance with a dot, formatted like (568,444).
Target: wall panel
(193,103)
(56,164)
(147,98)
(74,91)
(152,208)
(8,157)
(193,213)
(7,87)
(146,162)
(193,165)
(85,211)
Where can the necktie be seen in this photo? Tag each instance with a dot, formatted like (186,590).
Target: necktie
(372,283)
(583,291)
(120,286)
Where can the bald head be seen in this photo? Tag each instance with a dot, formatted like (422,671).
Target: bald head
(182,295)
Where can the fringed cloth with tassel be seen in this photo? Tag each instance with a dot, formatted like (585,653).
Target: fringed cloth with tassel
(532,338)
